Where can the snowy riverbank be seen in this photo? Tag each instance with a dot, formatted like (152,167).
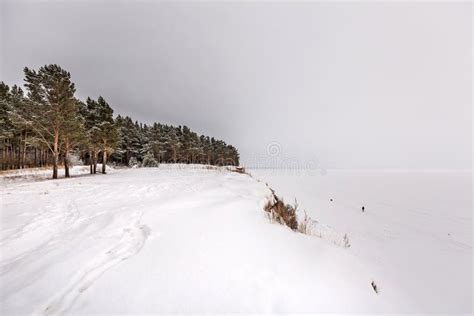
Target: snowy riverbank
(415,235)
(157,240)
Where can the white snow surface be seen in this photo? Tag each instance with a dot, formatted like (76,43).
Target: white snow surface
(414,237)
(188,239)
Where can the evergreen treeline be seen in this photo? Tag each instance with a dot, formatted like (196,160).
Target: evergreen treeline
(166,143)
(45,124)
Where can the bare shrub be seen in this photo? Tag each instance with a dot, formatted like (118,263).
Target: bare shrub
(282,213)
(277,211)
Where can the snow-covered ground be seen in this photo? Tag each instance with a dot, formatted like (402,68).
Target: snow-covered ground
(38,174)
(415,236)
(175,239)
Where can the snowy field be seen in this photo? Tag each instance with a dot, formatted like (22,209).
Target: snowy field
(415,235)
(175,239)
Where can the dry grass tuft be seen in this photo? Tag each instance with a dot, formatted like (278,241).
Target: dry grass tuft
(239,170)
(299,221)
(305,224)
(282,213)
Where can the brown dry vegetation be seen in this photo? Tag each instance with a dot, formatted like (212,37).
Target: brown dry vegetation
(282,213)
(299,221)
(238,170)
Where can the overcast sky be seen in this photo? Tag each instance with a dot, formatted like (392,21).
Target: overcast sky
(340,85)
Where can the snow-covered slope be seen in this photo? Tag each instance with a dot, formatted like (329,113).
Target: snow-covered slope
(166,240)
(415,236)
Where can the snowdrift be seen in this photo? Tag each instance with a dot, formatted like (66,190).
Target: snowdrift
(168,239)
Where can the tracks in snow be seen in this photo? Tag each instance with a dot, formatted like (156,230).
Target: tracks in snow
(68,224)
(132,240)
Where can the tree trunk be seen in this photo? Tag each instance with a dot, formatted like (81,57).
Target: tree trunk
(7,157)
(55,165)
(95,161)
(12,158)
(55,154)
(104,157)
(66,168)
(66,158)
(18,155)
(4,155)
(90,161)
(24,152)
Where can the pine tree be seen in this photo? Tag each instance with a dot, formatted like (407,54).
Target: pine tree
(50,120)
(20,129)
(7,128)
(74,135)
(50,96)
(91,122)
(133,163)
(149,160)
(107,132)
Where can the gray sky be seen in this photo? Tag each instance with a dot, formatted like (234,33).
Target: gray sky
(338,85)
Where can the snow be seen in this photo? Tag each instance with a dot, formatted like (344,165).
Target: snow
(42,173)
(192,239)
(415,236)
(165,240)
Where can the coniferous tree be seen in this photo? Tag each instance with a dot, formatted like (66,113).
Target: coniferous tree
(20,128)
(74,135)
(48,124)
(8,130)
(133,163)
(91,122)
(106,130)
(149,160)
(50,98)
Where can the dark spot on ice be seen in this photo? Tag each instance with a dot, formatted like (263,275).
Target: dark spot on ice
(374,286)
(363,208)
(330,200)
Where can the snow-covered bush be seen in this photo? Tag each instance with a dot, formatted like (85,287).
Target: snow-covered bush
(149,161)
(133,163)
(74,160)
